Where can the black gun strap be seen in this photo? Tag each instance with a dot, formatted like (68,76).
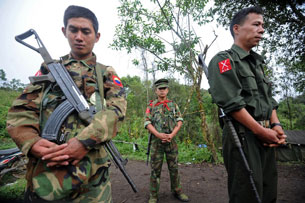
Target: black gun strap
(99,70)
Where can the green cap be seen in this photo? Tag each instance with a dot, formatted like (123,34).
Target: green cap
(161,83)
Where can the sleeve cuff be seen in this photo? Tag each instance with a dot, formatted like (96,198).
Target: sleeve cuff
(179,119)
(147,123)
(234,104)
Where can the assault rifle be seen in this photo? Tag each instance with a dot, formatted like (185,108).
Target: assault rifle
(74,101)
(228,121)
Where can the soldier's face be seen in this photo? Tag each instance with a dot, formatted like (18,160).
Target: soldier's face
(250,32)
(81,36)
(162,92)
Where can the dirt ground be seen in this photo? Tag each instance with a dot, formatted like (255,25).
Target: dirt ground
(202,182)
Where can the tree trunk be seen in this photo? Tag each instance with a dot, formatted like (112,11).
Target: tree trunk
(204,126)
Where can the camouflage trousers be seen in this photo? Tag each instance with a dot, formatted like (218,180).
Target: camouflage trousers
(95,191)
(158,149)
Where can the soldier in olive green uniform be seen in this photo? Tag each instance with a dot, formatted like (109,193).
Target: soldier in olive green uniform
(163,120)
(77,170)
(239,86)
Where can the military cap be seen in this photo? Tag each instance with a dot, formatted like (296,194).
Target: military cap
(161,83)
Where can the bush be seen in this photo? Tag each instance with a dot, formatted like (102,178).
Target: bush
(7,97)
(13,191)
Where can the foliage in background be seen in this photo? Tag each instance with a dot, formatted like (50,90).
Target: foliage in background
(14,84)
(165,30)
(7,97)
(13,191)
(292,112)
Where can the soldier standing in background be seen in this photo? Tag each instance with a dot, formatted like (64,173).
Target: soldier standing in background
(239,86)
(163,120)
(78,170)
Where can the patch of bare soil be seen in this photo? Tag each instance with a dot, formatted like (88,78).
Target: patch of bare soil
(201,182)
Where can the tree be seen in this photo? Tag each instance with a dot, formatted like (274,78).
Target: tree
(165,29)
(14,84)
(284,30)
(2,75)
(292,114)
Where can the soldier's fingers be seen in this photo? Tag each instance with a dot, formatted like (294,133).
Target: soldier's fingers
(75,162)
(59,158)
(55,163)
(281,141)
(282,136)
(55,148)
(53,154)
(273,145)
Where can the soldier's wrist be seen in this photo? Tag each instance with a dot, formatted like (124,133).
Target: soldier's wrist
(275,124)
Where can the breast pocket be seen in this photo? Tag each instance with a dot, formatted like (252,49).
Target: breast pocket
(248,80)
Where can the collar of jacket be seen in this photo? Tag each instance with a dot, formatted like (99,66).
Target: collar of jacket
(89,62)
(243,54)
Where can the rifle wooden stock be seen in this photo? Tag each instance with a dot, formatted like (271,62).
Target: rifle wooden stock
(75,101)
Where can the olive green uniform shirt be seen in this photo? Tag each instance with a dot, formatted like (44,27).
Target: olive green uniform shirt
(237,81)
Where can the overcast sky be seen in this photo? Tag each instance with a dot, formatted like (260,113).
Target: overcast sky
(46,17)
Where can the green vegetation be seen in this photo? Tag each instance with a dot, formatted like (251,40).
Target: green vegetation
(12,190)
(7,97)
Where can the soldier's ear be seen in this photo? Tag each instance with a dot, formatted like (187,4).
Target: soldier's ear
(63,29)
(236,29)
(97,37)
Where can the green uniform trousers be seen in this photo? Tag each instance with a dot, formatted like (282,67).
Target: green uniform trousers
(261,161)
(158,149)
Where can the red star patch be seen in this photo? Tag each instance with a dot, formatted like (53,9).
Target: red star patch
(224,65)
(39,73)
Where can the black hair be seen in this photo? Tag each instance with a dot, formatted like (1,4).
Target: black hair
(77,12)
(240,17)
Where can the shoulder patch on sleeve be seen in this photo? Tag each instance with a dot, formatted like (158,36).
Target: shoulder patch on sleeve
(224,65)
(38,73)
(117,81)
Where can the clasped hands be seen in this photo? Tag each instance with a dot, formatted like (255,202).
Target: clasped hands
(273,137)
(59,155)
(165,137)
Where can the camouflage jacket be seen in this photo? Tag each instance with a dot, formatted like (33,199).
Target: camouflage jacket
(162,115)
(32,108)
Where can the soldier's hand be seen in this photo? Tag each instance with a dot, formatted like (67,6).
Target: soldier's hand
(43,147)
(162,136)
(280,134)
(268,136)
(169,137)
(73,152)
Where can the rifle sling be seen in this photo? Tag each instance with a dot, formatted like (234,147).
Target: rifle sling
(100,82)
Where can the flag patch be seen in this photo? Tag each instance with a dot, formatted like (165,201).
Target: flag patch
(117,81)
(224,65)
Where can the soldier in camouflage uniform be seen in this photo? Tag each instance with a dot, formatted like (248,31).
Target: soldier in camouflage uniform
(77,170)
(163,120)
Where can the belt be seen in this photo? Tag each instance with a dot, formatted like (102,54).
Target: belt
(264,123)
